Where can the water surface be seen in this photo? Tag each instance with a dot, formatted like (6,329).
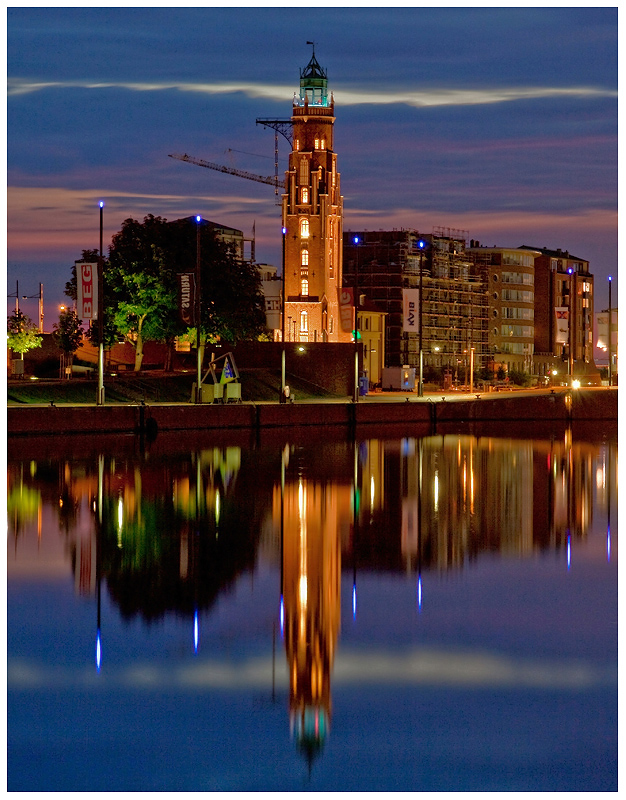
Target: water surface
(305,611)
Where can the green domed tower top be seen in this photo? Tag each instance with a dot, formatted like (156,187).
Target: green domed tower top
(313,83)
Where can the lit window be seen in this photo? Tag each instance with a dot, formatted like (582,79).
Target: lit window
(305,194)
(297,144)
(304,322)
(322,144)
(304,228)
(305,258)
(317,144)
(304,287)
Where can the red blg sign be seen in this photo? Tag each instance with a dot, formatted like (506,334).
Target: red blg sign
(87,294)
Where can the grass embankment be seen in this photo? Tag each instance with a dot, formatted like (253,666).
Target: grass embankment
(153,387)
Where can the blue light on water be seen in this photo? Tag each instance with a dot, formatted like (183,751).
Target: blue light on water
(282,616)
(98,651)
(608,544)
(419,593)
(195,632)
(354,601)
(569,551)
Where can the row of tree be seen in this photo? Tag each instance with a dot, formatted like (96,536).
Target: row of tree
(140,296)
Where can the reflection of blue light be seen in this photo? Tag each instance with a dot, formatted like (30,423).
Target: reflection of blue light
(419,593)
(195,632)
(282,616)
(98,651)
(354,601)
(608,544)
(569,551)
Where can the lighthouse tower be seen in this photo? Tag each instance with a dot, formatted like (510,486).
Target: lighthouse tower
(313,217)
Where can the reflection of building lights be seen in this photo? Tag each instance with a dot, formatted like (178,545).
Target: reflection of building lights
(303,590)
(98,651)
(120,520)
(217,507)
(372,491)
(436,490)
(195,631)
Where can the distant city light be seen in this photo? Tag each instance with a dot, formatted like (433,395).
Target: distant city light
(198,218)
(421,244)
(356,240)
(101,203)
(284,231)
(576,384)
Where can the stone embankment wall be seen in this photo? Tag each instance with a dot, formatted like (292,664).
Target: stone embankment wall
(581,405)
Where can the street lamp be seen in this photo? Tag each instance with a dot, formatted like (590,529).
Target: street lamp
(356,324)
(282,361)
(198,312)
(420,387)
(571,323)
(100,395)
(609,332)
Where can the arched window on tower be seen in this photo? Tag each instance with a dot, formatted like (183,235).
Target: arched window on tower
(304,258)
(304,228)
(304,285)
(304,171)
(305,194)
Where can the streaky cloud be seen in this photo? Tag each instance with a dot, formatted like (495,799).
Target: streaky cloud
(346,97)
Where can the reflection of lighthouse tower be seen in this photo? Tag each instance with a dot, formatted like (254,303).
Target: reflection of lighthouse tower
(313,216)
(311,581)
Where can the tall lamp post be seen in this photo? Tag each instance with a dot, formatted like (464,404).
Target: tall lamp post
(100,395)
(420,386)
(609,332)
(356,323)
(198,312)
(570,361)
(282,361)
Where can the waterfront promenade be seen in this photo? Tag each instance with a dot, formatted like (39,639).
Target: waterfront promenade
(433,410)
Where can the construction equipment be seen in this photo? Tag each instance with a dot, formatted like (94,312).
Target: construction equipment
(271,180)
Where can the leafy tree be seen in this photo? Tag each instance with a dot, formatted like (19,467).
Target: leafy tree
(68,335)
(22,333)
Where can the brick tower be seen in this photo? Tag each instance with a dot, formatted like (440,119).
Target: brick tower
(313,217)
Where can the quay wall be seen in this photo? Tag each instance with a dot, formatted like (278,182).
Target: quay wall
(582,405)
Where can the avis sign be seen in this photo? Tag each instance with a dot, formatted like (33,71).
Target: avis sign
(410,310)
(346,307)
(87,290)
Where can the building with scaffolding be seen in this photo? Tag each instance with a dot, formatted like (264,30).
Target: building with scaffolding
(382,265)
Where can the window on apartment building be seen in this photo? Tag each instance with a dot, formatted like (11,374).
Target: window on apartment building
(304,228)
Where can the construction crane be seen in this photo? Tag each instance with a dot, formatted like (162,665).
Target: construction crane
(282,126)
(271,180)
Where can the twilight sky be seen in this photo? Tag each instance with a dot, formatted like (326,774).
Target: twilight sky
(498,121)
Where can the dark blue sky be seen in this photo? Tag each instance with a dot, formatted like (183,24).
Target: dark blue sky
(501,122)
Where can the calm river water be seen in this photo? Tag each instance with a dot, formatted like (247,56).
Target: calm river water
(299,610)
